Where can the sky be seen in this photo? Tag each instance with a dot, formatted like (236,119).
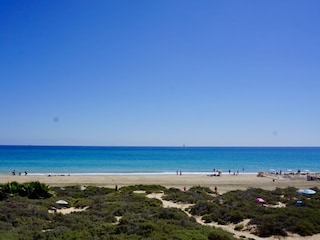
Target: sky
(160,73)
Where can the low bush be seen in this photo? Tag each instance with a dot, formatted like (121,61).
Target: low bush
(220,236)
(304,227)
(24,213)
(33,190)
(239,227)
(193,195)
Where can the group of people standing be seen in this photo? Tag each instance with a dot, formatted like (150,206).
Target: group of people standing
(14,173)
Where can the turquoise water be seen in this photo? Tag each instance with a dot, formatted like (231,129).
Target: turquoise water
(155,160)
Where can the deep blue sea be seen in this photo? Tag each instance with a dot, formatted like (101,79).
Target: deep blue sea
(155,160)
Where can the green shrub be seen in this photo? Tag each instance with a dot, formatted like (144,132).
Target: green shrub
(270,227)
(97,191)
(3,195)
(220,236)
(33,190)
(204,207)
(239,227)
(304,227)
(234,216)
(24,213)
(193,195)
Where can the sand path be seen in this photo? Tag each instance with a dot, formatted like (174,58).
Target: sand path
(230,227)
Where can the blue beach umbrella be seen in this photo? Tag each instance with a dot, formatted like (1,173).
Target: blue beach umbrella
(306,191)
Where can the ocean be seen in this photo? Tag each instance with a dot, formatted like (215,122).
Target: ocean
(43,160)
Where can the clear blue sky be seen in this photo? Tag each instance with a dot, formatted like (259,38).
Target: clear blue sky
(167,73)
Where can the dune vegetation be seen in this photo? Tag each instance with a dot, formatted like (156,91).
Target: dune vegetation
(29,211)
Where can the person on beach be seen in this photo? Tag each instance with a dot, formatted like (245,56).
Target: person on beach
(216,190)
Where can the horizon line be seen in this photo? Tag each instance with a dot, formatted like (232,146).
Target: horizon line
(164,146)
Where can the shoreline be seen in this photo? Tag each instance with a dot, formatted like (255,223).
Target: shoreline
(224,183)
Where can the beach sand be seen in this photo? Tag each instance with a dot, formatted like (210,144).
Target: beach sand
(224,183)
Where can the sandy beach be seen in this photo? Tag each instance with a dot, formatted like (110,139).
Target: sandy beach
(224,183)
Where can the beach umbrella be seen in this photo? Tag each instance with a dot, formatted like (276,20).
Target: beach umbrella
(306,191)
(309,191)
(260,200)
(300,191)
(62,202)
